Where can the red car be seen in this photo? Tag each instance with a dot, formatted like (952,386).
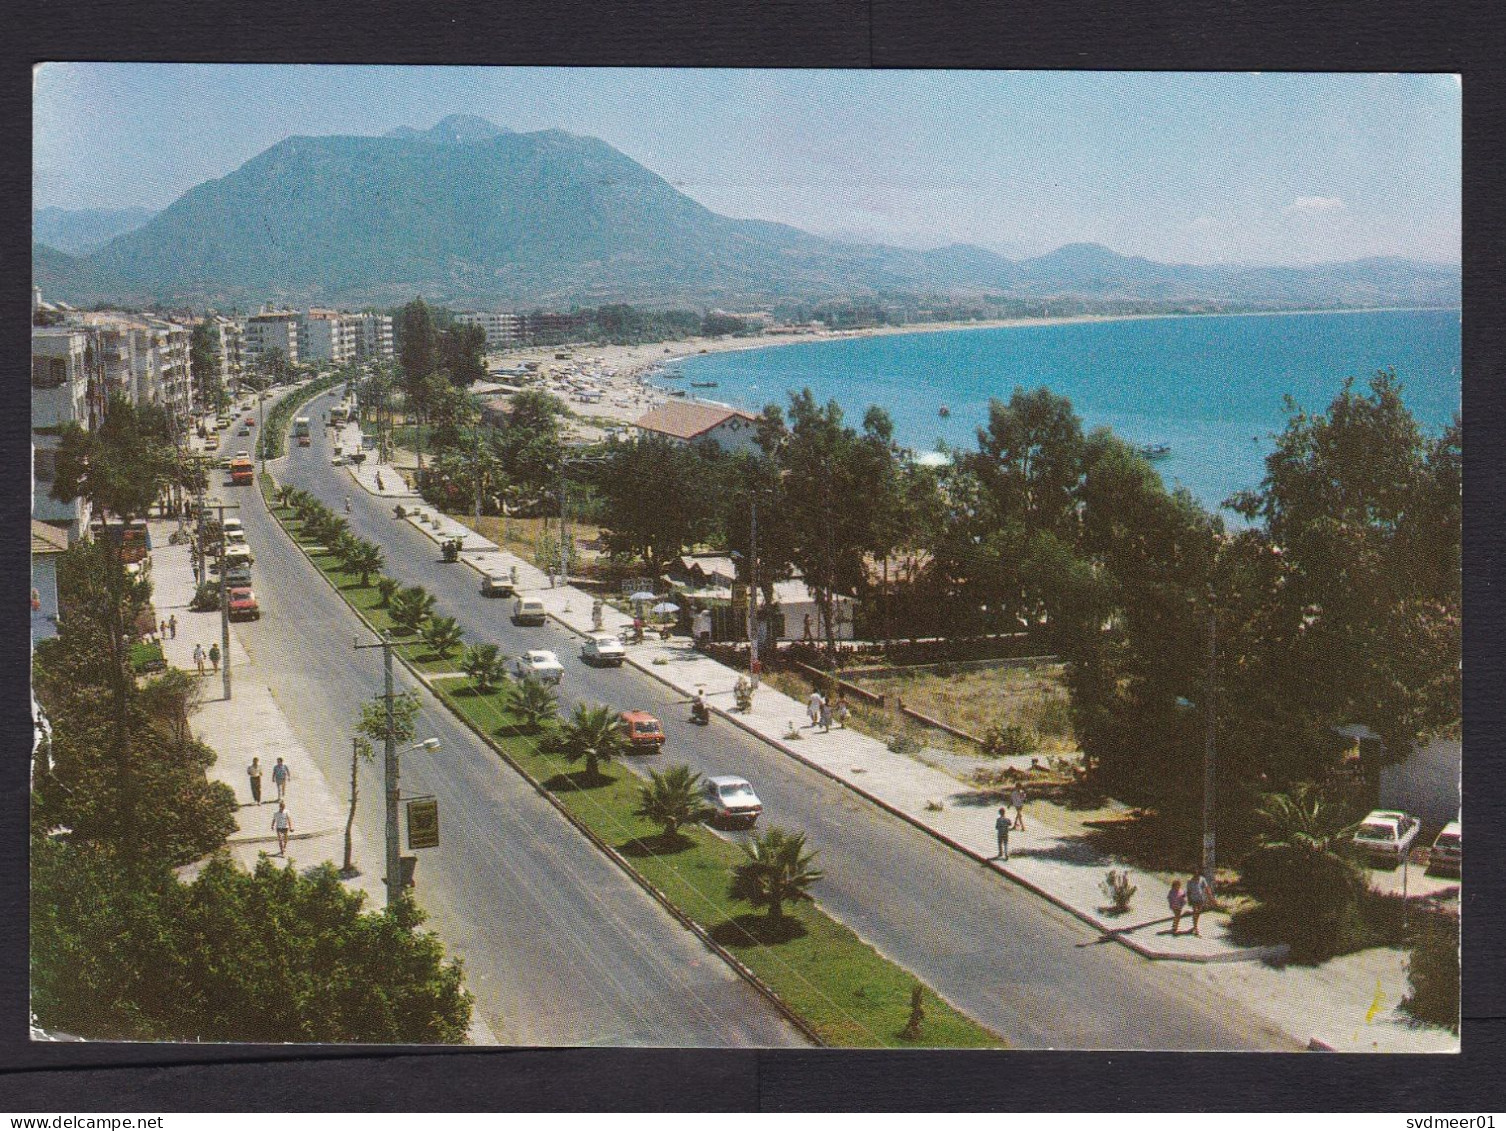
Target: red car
(250,420)
(243,604)
(643,731)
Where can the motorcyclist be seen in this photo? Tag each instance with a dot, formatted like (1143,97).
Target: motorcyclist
(700,711)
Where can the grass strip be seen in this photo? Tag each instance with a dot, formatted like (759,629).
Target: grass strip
(848,993)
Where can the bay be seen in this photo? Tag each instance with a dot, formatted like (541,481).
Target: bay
(1210,387)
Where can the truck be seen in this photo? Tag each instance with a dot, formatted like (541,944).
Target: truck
(337,414)
(242,471)
(301,430)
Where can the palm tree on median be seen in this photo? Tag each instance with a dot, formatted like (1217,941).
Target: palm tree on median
(366,560)
(778,871)
(592,734)
(534,703)
(486,666)
(443,635)
(409,608)
(672,799)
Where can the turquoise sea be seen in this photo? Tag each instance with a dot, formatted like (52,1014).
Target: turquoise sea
(1209,387)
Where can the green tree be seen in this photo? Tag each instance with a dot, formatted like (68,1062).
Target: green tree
(443,635)
(123,955)
(656,498)
(593,733)
(485,664)
(778,871)
(1433,971)
(204,362)
(462,353)
(366,560)
(409,608)
(418,358)
(531,443)
(672,799)
(534,703)
(387,588)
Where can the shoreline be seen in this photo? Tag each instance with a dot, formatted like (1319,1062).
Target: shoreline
(620,372)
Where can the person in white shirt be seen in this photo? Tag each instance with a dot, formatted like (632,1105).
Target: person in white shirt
(282,825)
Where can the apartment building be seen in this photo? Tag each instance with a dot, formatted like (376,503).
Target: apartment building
(373,336)
(60,389)
(271,330)
(327,335)
(229,343)
(502,330)
(168,351)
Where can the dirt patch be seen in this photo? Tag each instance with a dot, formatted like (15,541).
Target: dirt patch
(1033,697)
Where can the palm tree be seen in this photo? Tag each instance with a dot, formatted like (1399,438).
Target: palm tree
(778,871)
(409,608)
(285,495)
(672,799)
(443,635)
(593,733)
(387,587)
(366,560)
(344,547)
(485,664)
(534,703)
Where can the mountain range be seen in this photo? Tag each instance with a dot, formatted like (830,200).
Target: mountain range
(470,213)
(79,231)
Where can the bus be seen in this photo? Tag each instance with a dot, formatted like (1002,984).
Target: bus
(337,414)
(242,471)
(301,430)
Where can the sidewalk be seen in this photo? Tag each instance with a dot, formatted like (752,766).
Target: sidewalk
(1050,857)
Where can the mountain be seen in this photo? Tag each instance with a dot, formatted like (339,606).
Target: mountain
(468,213)
(78,231)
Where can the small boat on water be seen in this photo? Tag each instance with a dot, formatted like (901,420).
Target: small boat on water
(671,375)
(703,384)
(943,412)
(1154,451)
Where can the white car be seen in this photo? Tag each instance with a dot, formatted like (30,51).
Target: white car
(1448,850)
(732,801)
(539,664)
(1387,834)
(603,649)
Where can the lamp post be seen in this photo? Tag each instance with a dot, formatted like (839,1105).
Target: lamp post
(221,508)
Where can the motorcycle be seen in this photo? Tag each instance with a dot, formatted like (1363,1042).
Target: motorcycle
(700,714)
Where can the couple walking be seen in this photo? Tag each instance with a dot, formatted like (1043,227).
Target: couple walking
(821,712)
(281,775)
(1003,825)
(1198,897)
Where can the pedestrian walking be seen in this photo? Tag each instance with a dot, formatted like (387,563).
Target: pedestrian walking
(813,707)
(1001,830)
(1176,899)
(842,710)
(282,825)
(1018,798)
(253,772)
(172,626)
(823,716)
(806,632)
(162,631)
(379,482)
(280,778)
(214,656)
(596,612)
(1199,898)
(198,657)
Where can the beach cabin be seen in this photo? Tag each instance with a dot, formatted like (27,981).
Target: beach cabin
(689,422)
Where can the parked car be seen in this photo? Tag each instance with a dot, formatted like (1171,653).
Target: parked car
(243,604)
(496,585)
(732,801)
(1387,834)
(1447,853)
(245,430)
(528,610)
(539,664)
(337,460)
(644,732)
(604,649)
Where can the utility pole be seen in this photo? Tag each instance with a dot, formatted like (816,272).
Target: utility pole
(753,665)
(476,456)
(224,592)
(1210,749)
(564,532)
(390,775)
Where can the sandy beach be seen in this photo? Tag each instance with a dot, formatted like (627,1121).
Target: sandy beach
(606,384)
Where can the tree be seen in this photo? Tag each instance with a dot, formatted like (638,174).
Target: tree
(409,608)
(593,733)
(123,955)
(418,357)
(672,799)
(534,703)
(443,635)
(1433,971)
(778,871)
(462,353)
(360,751)
(657,498)
(387,588)
(486,666)
(366,559)
(531,443)
(204,362)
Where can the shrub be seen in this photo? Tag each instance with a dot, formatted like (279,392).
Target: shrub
(206,598)
(1007,741)
(1433,971)
(1117,887)
(903,744)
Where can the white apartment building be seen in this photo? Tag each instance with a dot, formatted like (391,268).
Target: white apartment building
(271,330)
(168,349)
(327,335)
(502,330)
(373,336)
(230,350)
(59,395)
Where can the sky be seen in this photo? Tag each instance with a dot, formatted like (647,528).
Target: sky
(1176,167)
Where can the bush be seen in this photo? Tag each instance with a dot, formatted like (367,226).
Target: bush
(903,744)
(1117,887)
(147,657)
(1433,971)
(1007,741)
(206,598)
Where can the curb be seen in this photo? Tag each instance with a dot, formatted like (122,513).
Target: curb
(612,854)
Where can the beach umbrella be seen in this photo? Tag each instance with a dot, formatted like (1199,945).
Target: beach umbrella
(642,596)
(666,607)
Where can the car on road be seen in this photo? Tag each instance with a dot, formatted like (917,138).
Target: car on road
(337,460)
(732,801)
(644,732)
(243,604)
(1447,853)
(603,649)
(1387,834)
(540,664)
(245,430)
(496,585)
(528,610)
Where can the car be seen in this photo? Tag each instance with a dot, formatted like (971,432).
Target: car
(732,801)
(337,460)
(540,664)
(250,419)
(528,610)
(496,585)
(1387,834)
(245,430)
(243,604)
(644,732)
(1447,853)
(603,649)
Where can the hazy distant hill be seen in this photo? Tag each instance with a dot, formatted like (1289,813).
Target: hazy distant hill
(81,230)
(468,212)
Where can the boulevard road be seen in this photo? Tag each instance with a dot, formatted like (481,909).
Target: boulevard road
(1028,970)
(560,947)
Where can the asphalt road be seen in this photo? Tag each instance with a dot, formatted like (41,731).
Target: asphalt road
(1023,967)
(560,947)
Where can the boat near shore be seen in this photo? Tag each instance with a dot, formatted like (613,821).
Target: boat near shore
(703,384)
(1154,451)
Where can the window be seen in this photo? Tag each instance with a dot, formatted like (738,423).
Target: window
(44,461)
(48,372)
